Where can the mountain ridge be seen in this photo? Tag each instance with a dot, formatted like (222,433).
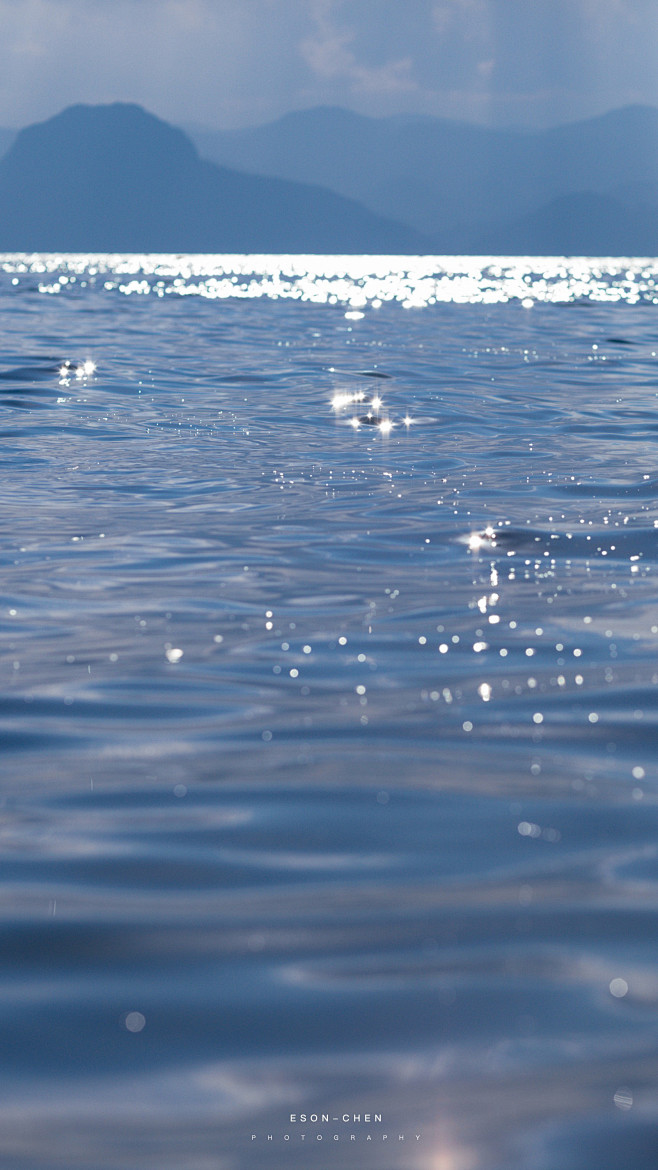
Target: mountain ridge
(456,181)
(116,178)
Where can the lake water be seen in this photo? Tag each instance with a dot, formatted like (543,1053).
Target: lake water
(329,775)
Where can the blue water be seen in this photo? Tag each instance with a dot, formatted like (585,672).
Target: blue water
(329,748)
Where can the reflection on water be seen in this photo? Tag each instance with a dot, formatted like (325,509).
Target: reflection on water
(328,700)
(357,282)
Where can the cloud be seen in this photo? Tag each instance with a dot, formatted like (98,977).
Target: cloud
(395,77)
(239,62)
(329,54)
(326,52)
(469,18)
(183,59)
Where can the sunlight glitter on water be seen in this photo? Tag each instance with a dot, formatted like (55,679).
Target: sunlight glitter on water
(356,282)
(329,768)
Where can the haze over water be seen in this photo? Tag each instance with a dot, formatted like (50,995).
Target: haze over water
(329,626)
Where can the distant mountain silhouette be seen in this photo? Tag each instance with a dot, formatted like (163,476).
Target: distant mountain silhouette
(114,178)
(434,173)
(463,184)
(6,139)
(586,224)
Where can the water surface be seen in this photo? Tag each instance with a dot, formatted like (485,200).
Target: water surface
(329,777)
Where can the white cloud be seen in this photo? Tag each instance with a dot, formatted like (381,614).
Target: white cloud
(328,53)
(469,18)
(235,62)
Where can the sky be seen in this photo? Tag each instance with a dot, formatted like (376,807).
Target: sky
(230,63)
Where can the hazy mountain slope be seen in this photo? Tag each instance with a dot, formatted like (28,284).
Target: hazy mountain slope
(429,173)
(6,139)
(448,179)
(585,224)
(115,178)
